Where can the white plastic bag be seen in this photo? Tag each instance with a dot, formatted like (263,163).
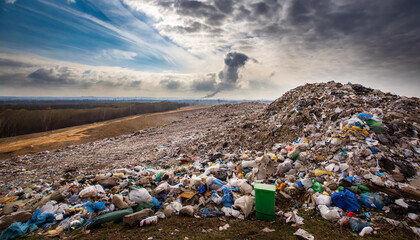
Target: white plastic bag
(140,196)
(162,187)
(91,191)
(329,214)
(245,203)
(321,199)
(231,212)
(175,206)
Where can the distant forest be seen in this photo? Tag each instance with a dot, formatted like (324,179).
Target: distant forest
(24,118)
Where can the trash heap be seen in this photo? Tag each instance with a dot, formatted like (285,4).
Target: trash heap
(349,152)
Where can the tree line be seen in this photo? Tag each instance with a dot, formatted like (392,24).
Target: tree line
(19,119)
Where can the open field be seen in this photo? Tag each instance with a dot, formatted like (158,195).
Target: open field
(24,118)
(38,142)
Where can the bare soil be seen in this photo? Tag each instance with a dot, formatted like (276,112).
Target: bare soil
(50,140)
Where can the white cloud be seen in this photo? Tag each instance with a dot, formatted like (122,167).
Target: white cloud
(132,31)
(71,1)
(11,1)
(118,54)
(293,44)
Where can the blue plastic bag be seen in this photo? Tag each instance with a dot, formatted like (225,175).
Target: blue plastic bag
(346,200)
(373,200)
(364,116)
(202,189)
(94,207)
(156,203)
(216,184)
(227,199)
(373,150)
(357,225)
(18,229)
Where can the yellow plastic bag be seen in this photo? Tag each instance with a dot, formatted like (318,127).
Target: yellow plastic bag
(319,172)
(8,199)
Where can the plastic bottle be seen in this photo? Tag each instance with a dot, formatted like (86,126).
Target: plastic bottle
(295,156)
(149,221)
(363,188)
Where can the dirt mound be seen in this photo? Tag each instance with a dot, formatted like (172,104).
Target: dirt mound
(324,106)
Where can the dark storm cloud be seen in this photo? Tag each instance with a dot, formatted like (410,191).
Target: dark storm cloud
(65,77)
(12,63)
(135,84)
(12,79)
(260,8)
(264,12)
(242,13)
(225,6)
(230,73)
(170,84)
(193,27)
(201,10)
(206,84)
(382,31)
(51,76)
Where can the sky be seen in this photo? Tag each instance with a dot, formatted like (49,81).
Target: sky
(235,49)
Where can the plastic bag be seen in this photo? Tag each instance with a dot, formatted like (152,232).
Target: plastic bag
(162,187)
(317,187)
(50,207)
(357,225)
(304,234)
(95,207)
(321,199)
(140,196)
(227,199)
(373,200)
(214,183)
(175,206)
(216,198)
(188,210)
(231,212)
(246,204)
(91,191)
(346,200)
(329,214)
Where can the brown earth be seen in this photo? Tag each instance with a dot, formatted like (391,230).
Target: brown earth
(55,139)
(166,136)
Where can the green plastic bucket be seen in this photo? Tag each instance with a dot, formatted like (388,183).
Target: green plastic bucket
(264,201)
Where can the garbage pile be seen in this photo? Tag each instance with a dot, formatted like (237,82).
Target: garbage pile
(349,152)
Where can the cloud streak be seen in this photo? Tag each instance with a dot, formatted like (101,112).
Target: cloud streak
(209,46)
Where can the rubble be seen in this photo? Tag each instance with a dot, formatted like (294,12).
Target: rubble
(349,152)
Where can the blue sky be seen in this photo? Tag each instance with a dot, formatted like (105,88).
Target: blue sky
(95,34)
(216,48)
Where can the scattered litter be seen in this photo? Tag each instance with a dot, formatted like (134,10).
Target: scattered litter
(348,152)
(303,234)
(266,229)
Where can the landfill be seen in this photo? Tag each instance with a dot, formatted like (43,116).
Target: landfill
(348,152)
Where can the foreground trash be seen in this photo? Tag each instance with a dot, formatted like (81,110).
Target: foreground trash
(348,152)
